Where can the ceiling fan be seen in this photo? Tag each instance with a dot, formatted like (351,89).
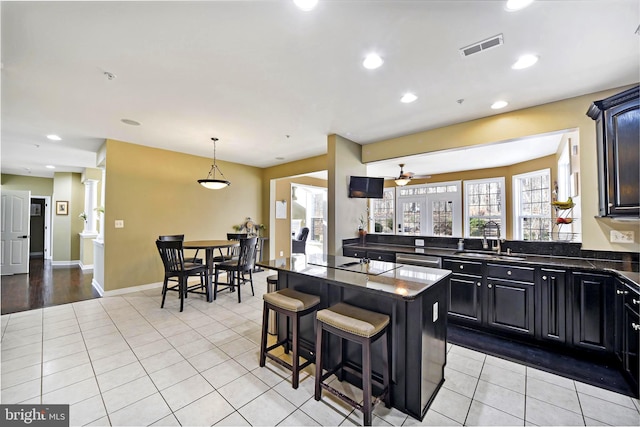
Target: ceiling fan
(405,177)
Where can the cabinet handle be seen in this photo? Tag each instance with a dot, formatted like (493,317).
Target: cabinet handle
(478,284)
(489,286)
(462,267)
(380,257)
(635,326)
(544,277)
(635,301)
(508,272)
(610,205)
(619,292)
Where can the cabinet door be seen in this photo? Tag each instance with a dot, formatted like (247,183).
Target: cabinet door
(623,158)
(552,305)
(630,344)
(510,306)
(593,311)
(464,298)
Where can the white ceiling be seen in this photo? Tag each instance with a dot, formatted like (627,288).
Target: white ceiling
(253,72)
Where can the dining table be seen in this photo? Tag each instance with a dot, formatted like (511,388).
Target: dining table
(210,246)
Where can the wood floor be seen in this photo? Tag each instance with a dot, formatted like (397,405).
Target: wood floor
(45,286)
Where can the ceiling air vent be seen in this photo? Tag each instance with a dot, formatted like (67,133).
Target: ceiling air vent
(478,47)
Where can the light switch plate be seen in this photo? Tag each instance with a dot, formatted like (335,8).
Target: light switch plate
(119,223)
(616,236)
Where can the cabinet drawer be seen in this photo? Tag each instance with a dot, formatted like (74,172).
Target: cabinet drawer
(356,253)
(381,256)
(521,274)
(463,267)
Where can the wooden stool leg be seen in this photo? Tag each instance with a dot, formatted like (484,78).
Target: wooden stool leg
(318,390)
(296,362)
(386,367)
(366,382)
(263,340)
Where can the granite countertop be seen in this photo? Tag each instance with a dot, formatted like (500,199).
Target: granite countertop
(620,268)
(402,281)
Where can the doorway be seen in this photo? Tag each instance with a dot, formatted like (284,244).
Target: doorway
(309,209)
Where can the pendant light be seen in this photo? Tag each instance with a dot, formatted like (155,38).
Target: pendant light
(210,181)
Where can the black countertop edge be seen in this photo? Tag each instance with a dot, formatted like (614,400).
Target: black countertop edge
(625,270)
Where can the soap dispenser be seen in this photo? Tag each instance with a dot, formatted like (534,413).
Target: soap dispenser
(461,245)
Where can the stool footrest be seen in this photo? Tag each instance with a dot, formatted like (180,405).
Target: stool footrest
(287,364)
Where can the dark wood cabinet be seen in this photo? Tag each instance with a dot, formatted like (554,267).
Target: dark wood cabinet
(627,330)
(355,253)
(618,140)
(465,292)
(551,306)
(593,311)
(510,298)
(382,256)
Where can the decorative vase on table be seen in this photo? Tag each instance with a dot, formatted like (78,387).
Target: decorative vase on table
(362,234)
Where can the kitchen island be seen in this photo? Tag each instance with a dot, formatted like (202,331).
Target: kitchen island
(416,300)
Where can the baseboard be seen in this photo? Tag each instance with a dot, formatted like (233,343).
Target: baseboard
(84,268)
(98,287)
(75,263)
(132,289)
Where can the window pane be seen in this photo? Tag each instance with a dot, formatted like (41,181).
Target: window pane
(383,213)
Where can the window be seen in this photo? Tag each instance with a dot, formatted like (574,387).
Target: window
(430,209)
(382,212)
(532,205)
(484,202)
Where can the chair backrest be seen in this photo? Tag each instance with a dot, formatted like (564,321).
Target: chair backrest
(171,237)
(247,253)
(302,234)
(235,251)
(171,254)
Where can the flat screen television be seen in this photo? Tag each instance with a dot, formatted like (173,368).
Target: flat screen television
(364,187)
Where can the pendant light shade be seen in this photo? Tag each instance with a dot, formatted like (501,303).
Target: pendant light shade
(211,182)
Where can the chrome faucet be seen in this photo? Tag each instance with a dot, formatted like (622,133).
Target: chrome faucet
(494,246)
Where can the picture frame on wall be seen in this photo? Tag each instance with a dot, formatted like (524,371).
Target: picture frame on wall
(62,208)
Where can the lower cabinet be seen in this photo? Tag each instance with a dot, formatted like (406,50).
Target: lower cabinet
(465,301)
(593,311)
(552,305)
(510,306)
(374,255)
(627,330)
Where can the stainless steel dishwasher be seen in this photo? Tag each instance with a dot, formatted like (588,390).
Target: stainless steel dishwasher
(421,260)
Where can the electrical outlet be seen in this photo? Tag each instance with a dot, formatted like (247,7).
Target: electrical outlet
(616,236)
(119,223)
(435,312)
(419,242)
(281,253)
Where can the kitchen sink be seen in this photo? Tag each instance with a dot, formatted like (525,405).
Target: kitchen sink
(490,255)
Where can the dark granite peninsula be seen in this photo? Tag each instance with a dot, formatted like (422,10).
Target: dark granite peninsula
(415,298)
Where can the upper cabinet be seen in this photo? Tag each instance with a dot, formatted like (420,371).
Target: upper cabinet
(618,138)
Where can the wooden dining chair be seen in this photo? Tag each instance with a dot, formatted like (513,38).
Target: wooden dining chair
(173,237)
(232,252)
(175,268)
(237,268)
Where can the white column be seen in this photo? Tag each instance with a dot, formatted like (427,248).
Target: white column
(90,203)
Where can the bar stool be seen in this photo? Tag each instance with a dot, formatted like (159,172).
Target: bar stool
(363,327)
(294,305)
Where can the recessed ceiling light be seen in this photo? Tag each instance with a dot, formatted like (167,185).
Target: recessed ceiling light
(513,5)
(54,137)
(50,167)
(499,104)
(525,61)
(372,61)
(408,97)
(130,122)
(306,5)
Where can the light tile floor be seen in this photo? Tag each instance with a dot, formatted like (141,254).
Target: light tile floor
(122,360)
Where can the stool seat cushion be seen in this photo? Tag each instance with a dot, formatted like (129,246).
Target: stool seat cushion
(354,320)
(291,300)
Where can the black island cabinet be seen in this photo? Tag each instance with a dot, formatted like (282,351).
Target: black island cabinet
(416,300)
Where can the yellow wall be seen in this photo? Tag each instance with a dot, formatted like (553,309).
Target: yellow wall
(37,186)
(156,192)
(66,228)
(556,116)
(282,232)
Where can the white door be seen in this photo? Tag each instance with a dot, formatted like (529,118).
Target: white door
(411,216)
(14,249)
